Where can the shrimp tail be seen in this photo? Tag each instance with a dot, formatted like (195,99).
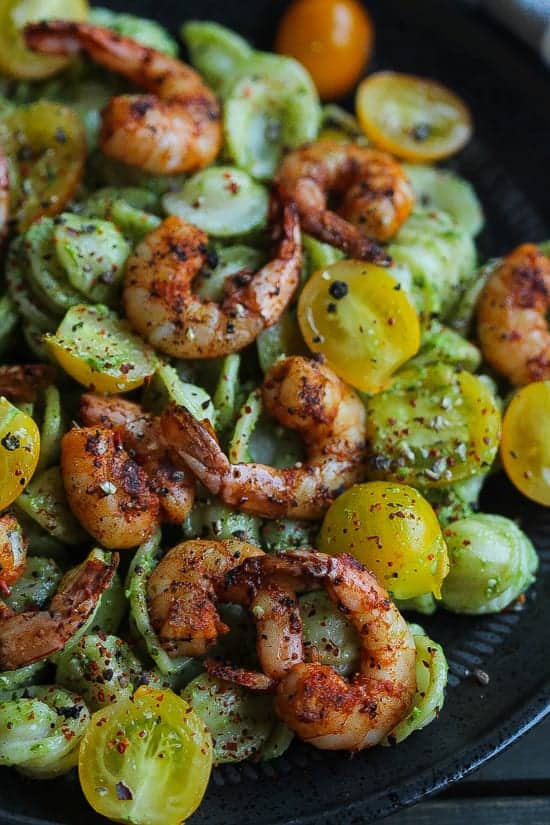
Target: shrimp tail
(332,229)
(195,443)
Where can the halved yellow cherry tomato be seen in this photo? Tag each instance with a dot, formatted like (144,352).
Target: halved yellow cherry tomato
(332,38)
(45,145)
(16,60)
(433,427)
(100,351)
(394,532)
(359,318)
(19,451)
(412,117)
(146,759)
(525,444)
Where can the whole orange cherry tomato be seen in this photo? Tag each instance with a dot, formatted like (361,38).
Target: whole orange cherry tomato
(331,38)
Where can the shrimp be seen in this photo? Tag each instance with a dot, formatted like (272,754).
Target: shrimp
(4,196)
(374,191)
(142,437)
(160,305)
(322,707)
(13,552)
(182,593)
(34,635)
(107,490)
(305,396)
(20,382)
(511,316)
(175,128)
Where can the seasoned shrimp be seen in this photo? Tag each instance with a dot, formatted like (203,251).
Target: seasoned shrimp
(34,635)
(305,396)
(322,707)
(174,128)
(106,489)
(13,552)
(511,316)
(374,191)
(141,435)
(20,382)
(4,196)
(182,593)
(161,306)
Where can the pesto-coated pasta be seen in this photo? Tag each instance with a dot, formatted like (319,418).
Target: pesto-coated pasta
(41,729)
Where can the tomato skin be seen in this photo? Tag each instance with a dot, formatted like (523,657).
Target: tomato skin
(392,530)
(412,117)
(333,39)
(356,315)
(525,444)
(146,759)
(45,145)
(19,451)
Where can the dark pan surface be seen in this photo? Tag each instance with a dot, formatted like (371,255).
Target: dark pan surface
(508,92)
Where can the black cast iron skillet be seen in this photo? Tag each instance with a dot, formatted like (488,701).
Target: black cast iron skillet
(508,161)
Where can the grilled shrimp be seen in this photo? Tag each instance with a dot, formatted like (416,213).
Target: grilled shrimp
(141,435)
(4,196)
(161,306)
(374,191)
(322,707)
(174,128)
(34,635)
(305,396)
(106,489)
(13,552)
(511,316)
(182,593)
(21,381)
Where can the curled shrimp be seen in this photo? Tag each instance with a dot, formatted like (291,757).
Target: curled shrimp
(13,552)
(305,396)
(4,196)
(160,304)
(374,191)
(511,316)
(107,490)
(174,128)
(142,437)
(182,593)
(34,635)
(20,382)
(321,706)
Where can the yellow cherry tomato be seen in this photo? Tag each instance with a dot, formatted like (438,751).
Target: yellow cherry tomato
(433,427)
(332,38)
(45,145)
(392,530)
(359,318)
(16,60)
(412,117)
(100,351)
(525,444)
(19,451)
(146,759)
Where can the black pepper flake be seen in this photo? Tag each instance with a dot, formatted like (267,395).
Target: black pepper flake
(482,676)
(421,132)
(69,712)
(338,289)
(331,307)
(123,792)
(10,442)
(60,135)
